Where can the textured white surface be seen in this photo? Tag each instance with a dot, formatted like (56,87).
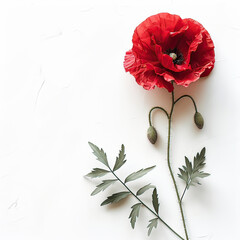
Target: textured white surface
(63,84)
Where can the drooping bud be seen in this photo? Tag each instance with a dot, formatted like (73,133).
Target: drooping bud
(152,134)
(198,119)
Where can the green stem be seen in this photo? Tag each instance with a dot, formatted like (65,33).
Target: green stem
(150,112)
(184,96)
(144,204)
(184,192)
(169,165)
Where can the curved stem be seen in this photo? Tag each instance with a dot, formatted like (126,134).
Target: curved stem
(144,204)
(169,165)
(150,112)
(195,106)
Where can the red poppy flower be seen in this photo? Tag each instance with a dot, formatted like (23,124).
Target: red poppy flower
(167,48)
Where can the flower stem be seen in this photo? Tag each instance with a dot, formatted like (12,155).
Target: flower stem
(169,166)
(184,192)
(188,96)
(150,112)
(144,204)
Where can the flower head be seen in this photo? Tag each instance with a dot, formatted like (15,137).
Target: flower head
(167,48)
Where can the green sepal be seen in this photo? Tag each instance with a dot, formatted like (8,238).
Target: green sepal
(198,119)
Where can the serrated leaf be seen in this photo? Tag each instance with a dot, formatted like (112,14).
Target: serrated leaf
(191,172)
(155,200)
(183,175)
(199,175)
(138,174)
(99,153)
(153,224)
(120,159)
(144,189)
(203,175)
(116,197)
(102,186)
(202,153)
(188,165)
(199,160)
(134,214)
(97,172)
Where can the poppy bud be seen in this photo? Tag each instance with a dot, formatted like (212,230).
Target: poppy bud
(198,119)
(152,134)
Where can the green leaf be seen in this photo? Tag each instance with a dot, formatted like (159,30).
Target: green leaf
(190,173)
(144,189)
(116,197)
(199,175)
(183,175)
(99,153)
(102,186)
(97,172)
(202,153)
(153,223)
(188,165)
(120,159)
(134,214)
(199,160)
(155,200)
(138,174)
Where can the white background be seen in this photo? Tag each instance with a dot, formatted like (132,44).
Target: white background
(63,84)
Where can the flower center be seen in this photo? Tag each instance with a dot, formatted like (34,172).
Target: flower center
(176,56)
(173,55)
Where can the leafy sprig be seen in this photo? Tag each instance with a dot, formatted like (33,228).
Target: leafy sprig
(191,172)
(117,197)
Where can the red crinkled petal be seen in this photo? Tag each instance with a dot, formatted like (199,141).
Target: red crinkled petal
(204,55)
(145,75)
(157,28)
(129,61)
(167,75)
(201,49)
(148,79)
(185,78)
